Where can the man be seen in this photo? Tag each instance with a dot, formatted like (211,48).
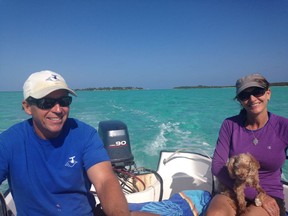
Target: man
(51,160)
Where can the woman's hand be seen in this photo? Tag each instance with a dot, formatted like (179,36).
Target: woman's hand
(270,205)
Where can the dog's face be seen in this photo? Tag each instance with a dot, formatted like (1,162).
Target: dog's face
(242,166)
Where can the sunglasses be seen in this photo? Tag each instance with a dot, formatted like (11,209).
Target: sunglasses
(48,103)
(256,92)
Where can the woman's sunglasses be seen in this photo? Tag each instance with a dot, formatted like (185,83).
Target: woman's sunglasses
(48,103)
(256,92)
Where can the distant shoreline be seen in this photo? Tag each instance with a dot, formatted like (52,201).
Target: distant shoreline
(203,86)
(109,88)
(178,87)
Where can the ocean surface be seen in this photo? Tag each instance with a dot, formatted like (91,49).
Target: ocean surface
(156,119)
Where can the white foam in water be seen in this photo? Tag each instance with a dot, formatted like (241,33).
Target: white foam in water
(158,143)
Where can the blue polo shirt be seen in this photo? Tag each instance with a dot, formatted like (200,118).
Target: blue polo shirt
(48,177)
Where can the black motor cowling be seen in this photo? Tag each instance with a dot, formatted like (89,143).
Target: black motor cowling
(115,137)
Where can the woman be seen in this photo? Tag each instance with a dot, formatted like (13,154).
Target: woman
(262,134)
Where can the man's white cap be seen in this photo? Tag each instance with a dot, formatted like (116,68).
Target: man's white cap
(42,83)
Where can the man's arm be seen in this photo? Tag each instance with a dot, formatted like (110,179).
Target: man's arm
(108,189)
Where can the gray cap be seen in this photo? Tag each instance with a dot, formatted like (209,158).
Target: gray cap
(253,80)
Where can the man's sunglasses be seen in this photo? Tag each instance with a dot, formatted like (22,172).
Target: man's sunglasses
(48,103)
(256,92)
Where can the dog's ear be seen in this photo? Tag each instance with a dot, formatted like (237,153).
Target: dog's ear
(256,162)
(230,167)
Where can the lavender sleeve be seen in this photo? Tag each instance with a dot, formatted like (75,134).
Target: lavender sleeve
(221,155)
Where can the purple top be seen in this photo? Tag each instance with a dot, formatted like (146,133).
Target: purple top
(234,139)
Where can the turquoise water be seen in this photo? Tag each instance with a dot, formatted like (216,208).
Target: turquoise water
(156,119)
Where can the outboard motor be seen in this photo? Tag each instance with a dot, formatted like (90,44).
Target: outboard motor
(115,137)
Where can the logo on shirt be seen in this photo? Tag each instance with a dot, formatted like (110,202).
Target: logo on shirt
(71,162)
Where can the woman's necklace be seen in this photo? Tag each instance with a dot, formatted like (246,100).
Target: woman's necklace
(255,140)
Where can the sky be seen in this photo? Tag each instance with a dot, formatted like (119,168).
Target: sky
(153,44)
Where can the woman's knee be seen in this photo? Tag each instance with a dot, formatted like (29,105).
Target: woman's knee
(220,205)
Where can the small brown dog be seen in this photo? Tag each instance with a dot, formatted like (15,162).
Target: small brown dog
(244,169)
